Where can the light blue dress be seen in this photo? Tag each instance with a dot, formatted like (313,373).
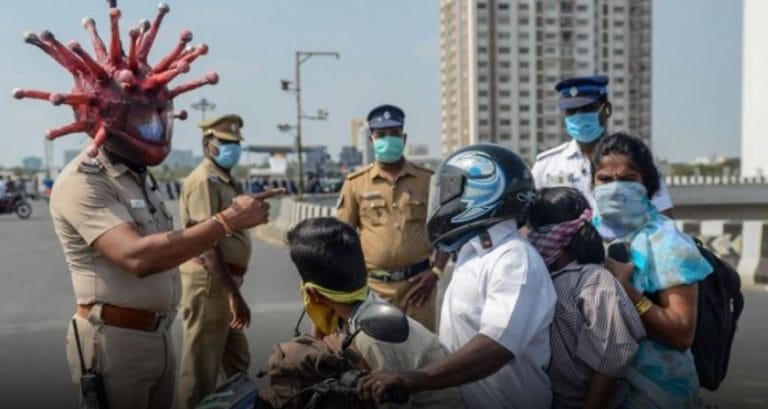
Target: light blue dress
(662,377)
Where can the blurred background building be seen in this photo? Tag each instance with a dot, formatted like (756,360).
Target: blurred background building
(754,88)
(501,59)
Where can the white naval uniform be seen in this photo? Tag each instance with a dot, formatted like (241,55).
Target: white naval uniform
(505,293)
(566,165)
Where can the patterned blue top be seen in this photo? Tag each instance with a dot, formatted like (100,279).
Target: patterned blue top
(663,257)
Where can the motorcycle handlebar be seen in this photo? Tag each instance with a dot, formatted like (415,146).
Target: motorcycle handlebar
(352,377)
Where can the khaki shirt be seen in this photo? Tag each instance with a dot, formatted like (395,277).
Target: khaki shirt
(391,217)
(92,196)
(207,191)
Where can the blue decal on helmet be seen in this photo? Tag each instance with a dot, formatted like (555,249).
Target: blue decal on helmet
(485,184)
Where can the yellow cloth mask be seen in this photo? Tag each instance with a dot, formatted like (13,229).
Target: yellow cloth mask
(324,318)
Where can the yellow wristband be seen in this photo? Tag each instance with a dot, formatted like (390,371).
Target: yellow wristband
(643,306)
(437,271)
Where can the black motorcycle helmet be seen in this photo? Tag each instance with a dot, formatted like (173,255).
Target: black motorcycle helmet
(473,189)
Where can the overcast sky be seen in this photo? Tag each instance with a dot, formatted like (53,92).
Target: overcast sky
(389,54)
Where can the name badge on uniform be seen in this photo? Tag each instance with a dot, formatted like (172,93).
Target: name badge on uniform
(138,204)
(371,195)
(560,179)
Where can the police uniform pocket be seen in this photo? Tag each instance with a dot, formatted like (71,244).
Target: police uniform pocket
(374,211)
(414,210)
(144,222)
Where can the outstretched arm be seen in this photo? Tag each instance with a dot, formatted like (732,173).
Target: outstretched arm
(160,252)
(478,359)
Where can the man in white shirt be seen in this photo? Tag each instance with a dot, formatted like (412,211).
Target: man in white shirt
(2,188)
(584,102)
(499,305)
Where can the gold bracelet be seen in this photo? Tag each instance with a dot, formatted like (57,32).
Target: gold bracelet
(437,271)
(643,306)
(219,218)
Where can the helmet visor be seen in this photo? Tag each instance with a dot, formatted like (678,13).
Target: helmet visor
(445,186)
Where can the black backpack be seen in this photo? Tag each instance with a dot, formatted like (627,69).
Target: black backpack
(720,305)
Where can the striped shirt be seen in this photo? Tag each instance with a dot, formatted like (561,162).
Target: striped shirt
(595,329)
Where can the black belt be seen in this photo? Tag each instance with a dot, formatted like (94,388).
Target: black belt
(400,274)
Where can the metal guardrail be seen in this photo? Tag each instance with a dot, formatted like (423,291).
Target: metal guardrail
(715,180)
(744,244)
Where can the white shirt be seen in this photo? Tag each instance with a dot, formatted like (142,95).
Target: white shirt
(566,165)
(503,292)
(2,188)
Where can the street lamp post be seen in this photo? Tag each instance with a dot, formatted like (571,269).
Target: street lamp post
(301,57)
(203,106)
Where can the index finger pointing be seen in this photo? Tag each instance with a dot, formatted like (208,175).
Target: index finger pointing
(268,193)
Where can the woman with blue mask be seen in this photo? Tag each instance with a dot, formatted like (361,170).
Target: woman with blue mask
(665,265)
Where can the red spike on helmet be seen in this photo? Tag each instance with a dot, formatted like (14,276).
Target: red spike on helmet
(121,101)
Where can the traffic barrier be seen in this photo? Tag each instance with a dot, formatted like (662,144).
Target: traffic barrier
(292,212)
(699,180)
(743,244)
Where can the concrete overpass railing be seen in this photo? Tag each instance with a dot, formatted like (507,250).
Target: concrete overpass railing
(700,180)
(292,212)
(744,244)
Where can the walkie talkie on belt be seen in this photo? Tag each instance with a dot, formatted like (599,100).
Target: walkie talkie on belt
(91,382)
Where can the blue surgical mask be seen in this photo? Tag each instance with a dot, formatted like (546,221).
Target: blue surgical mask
(584,127)
(388,149)
(622,208)
(229,155)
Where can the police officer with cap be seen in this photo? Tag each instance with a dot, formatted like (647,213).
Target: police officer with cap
(213,308)
(387,203)
(585,105)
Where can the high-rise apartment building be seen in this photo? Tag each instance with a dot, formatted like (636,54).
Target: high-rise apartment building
(501,59)
(754,86)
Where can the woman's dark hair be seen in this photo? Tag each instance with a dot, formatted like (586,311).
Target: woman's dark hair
(637,152)
(327,252)
(560,204)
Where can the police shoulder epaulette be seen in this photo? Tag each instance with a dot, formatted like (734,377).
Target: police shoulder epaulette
(550,152)
(362,171)
(90,166)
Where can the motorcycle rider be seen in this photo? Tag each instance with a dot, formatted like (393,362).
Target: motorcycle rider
(329,258)
(500,303)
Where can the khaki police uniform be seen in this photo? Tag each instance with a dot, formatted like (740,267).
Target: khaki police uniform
(391,219)
(210,347)
(566,165)
(122,319)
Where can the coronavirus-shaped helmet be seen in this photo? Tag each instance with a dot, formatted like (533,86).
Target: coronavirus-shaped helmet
(119,100)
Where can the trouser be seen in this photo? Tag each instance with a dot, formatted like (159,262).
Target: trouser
(211,350)
(138,367)
(397,293)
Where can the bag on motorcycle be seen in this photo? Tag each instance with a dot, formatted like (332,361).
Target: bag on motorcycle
(301,363)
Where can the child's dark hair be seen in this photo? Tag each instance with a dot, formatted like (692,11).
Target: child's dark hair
(637,152)
(560,204)
(327,252)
